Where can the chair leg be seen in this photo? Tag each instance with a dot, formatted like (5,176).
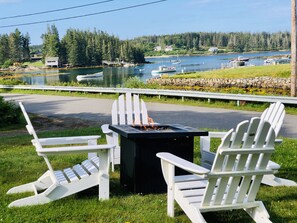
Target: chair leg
(259,214)
(274,181)
(41,184)
(36,199)
(104,162)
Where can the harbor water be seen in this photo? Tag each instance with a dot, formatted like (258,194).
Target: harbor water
(116,76)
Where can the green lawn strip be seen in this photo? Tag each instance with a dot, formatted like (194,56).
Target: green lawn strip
(280,71)
(20,164)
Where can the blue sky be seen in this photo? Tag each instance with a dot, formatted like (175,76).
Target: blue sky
(167,17)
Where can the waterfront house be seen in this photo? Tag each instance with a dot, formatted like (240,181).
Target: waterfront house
(52,61)
(213,49)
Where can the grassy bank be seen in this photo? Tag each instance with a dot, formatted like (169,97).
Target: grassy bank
(280,71)
(20,164)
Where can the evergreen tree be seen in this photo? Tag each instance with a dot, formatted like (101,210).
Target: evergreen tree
(4,48)
(51,42)
(15,46)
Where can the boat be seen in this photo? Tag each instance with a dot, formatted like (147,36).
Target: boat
(274,61)
(241,59)
(177,61)
(163,69)
(89,76)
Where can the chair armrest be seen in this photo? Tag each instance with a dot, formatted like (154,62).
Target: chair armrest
(205,140)
(183,164)
(278,141)
(73,149)
(67,140)
(217,134)
(272,165)
(105,129)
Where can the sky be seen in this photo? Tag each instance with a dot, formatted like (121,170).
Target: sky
(127,19)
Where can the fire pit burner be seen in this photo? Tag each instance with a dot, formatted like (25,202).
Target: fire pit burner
(156,131)
(155,128)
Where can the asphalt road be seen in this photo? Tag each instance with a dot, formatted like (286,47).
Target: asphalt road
(100,110)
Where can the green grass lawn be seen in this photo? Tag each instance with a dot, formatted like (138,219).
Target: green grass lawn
(20,164)
(281,71)
(34,64)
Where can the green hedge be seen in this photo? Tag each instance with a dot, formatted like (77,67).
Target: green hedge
(10,113)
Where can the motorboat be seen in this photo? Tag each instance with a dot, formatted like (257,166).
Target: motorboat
(163,69)
(89,76)
(240,61)
(241,58)
(177,61)
(274,61)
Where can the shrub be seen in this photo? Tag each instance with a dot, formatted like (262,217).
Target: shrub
(134,82)
(10,113)
(11,81)
(7,63)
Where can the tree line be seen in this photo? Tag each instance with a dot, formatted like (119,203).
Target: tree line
(14,47)
(85,48)
(76,48)
(233,42)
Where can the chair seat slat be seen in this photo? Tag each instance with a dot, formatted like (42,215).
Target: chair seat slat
(89,166)
(60,177)
(80,171)
(70,175)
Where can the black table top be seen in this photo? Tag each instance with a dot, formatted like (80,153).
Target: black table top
(164,131)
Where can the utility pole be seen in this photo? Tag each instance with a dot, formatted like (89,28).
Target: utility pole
(293,49)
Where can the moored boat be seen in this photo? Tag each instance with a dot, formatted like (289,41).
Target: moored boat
(89,76)
(241,59)
(163,69)
(274,61)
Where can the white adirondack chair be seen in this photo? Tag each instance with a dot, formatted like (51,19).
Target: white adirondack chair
(127,110)
(274,114)
(234,180)
(56,184)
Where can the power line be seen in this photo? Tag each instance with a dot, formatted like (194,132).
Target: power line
(55,10)
(85,15)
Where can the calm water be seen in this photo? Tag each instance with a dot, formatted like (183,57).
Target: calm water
(117,76)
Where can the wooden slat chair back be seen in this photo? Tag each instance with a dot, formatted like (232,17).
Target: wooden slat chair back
(56,184)
(129,111)
(126,110)
(275,115)
(234,180)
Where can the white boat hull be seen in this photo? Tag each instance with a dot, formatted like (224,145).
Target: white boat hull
(89,76)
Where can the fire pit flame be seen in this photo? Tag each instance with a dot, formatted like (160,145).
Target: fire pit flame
(150,126)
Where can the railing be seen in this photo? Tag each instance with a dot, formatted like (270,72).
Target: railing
(174,93)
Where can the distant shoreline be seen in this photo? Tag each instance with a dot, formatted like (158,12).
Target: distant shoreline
(210,54)
(33,68)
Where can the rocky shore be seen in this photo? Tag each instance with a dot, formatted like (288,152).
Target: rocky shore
(257,82)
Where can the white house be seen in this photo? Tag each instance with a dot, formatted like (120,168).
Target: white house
(213,49)
(168,48)
(52,61)
(158,48)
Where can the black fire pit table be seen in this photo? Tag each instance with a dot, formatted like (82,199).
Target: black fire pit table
(140,168)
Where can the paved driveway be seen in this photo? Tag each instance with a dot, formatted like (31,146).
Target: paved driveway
(99,110)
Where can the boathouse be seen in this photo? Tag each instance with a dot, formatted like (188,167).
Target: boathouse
(52,61)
